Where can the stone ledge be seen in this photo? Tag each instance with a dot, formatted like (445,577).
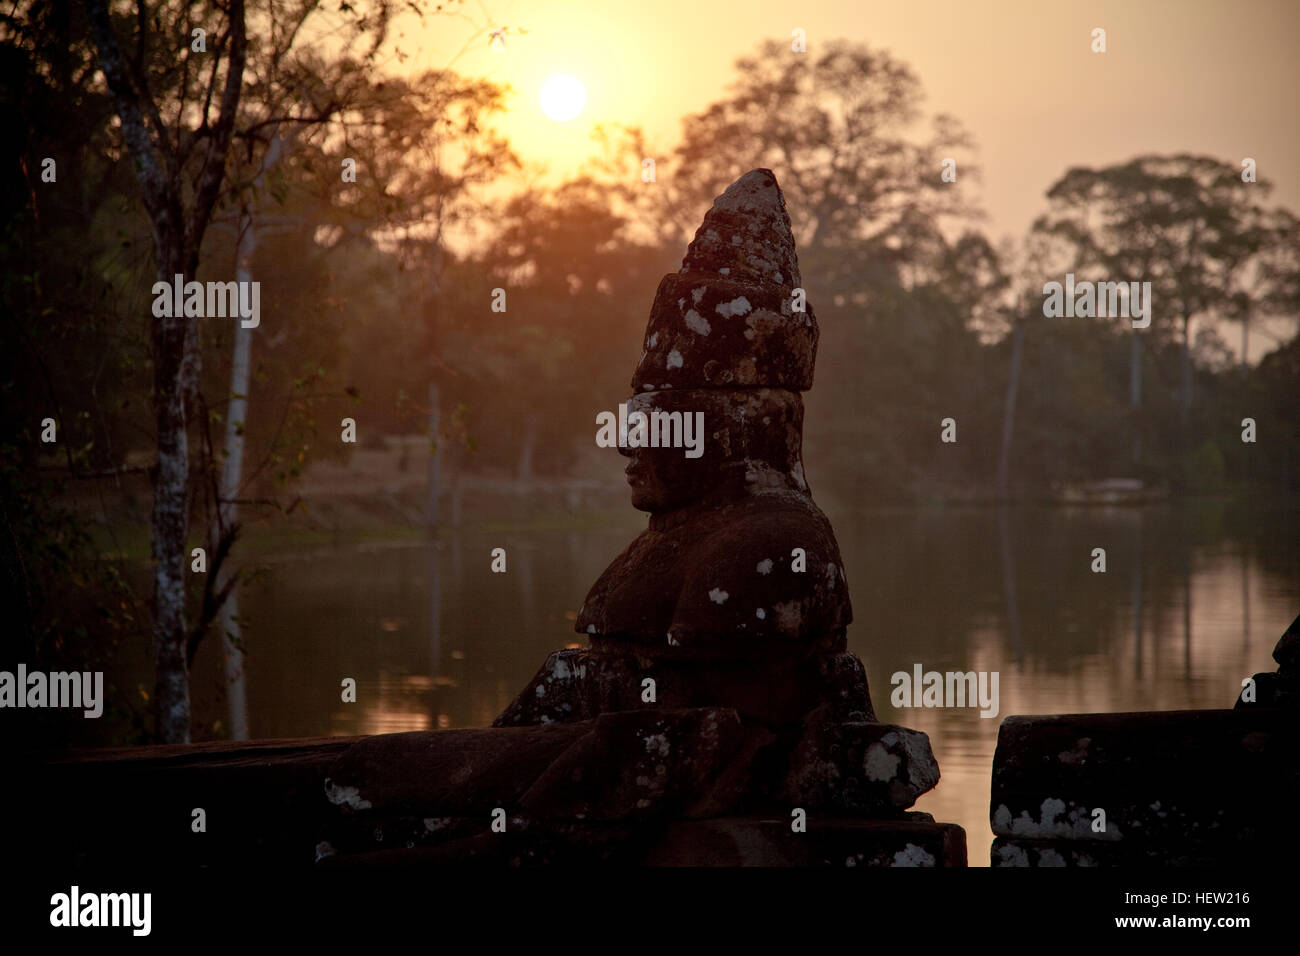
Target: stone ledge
(628,787)
(1175,787)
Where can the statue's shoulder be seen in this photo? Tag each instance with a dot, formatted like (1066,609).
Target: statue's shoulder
(781,520)
(772,569)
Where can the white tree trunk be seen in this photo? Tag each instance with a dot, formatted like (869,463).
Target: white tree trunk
(232,469)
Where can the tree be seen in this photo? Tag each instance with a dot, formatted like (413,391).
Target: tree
(176,75)
(1186,224)
(181,171)
(872,215)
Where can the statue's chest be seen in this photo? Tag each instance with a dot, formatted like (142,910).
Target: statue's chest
(637,593)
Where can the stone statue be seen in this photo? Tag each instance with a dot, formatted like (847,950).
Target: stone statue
(716,705)
(735,594)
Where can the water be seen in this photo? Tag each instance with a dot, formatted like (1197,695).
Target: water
(1192,600)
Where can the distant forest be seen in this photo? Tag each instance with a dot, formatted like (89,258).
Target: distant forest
(376,293)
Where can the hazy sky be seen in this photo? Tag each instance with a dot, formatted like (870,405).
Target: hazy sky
(1199,76)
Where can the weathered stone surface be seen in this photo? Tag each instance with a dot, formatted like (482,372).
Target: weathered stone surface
(1280,688)
(829,841)
(525,843)
(727,317)
(1051,775)
(752,442)
(637,764)
(747,232)
(581,683)
(716,581)
(1273,689)
(263,802)
(714,331)
(735,841)
(446,772)
(737,563)
(580,793)
(1011,852)
(858,765)
(1287,651)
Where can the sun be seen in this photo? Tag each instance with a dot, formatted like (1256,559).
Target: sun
(563,97)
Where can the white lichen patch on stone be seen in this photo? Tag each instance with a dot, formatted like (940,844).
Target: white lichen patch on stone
(591,628)
(657,745)
(1078,754)
(342,796)
(698,323)
(797,471)
(737,306)
(880,765)
(913,856)
(760,613)
(764,566)
(697,294)
(1076,825)
(1012,855)
(654,339)
(434,824)
(724,271)
(789,616)
(759,474)
(541,690)
(922,769)
(717,595)
(674,359)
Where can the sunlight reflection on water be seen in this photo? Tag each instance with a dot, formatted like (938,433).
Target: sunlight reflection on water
(1192,601)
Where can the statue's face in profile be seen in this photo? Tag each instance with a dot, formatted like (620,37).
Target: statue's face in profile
(656,484)
(666,478)
(736,441)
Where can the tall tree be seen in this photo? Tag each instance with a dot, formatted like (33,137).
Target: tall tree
(1186,224)
(181,170)
(176,74)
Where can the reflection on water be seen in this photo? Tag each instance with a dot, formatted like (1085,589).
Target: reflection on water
(1192,600)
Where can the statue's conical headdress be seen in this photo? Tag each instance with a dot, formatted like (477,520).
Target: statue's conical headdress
(728,318)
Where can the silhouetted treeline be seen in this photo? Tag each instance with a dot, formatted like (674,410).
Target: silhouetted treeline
(375,290)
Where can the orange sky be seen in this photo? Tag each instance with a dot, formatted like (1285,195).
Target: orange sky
(1199,76)
(1179,75)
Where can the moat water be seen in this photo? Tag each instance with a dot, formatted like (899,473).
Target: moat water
(1192,600)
